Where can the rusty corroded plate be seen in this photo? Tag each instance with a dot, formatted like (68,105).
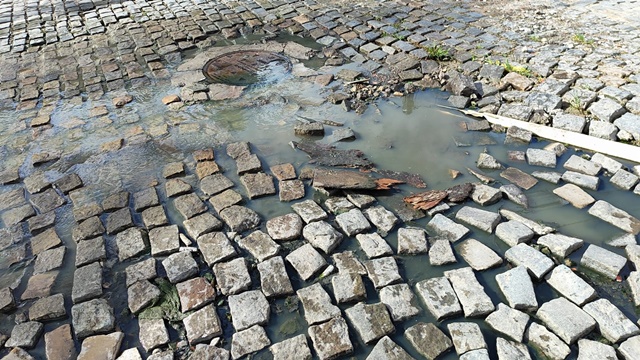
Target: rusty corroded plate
(244,67)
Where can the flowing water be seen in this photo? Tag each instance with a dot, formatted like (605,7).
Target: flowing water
(411,133)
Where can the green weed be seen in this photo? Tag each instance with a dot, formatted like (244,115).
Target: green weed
(581,39)
(437,52)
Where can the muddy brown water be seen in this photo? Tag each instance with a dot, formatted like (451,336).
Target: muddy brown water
(409,133)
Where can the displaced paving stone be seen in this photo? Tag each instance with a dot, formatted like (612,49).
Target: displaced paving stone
(175,187)
(630,349)
(361,201)
(519,178)
(274,279)
(46,201)
(546,342)
(215,247)
(383,271)
(400,301)
(411,241)
(385,348)
(612,323)
(466,337)
(88,251)
(616,217)
(291,349)
(517,288)
(585,181)
(284,171)
(59,343)
(309,211)
(101,346)
(383,219)
(578,164)
(143,270)
(118,221)
(215,184)
(202,325)
(629,123)
(569,122)
(189,205)
(513,232)
(371,321)
(441,253)
(249,341)
(482,219)
(154,217)
(257,185)
(348,287)
(566,319)
(570,285)
(232,276)
(291,190)
(348,263)
(87,283)
(12,198)
(317,304)
(574,195)
(306,261)
(285,227)
(46,240)
(331,339)
(603,261)
(606,109)
(130,243)
(164,240)
(484,195)
(260,245)
(536,262)
(142,294)
(180,266)
(539,157)
(353,222)
(486,161)
(337,205)
(624,180)
(225,199)
(477,255)
(153,333)
(560,245)
(92,317)
(248,163)
(25,335)
(240,218)
(195,293)
(508,321)
(48,308)
(322,235)
(116,201)
(590,349)
(516,135)
(374,245)
(248,309)
(439,297)
(145,199)
(447,228)
(202,224)
(474,301)
(549,176)
(511,350)
(309,129)
(428,340)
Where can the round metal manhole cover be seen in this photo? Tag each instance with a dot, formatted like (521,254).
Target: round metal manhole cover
(246,67)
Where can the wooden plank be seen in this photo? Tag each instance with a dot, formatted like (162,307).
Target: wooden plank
(607,147)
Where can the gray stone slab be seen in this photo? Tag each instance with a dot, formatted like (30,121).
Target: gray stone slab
(225,199)
(603,261)
(574,195)
(25,335)
(478,255)
(549,176)
(285,227)
(441,253)
(46,201)
(87,283)
(130,243)
(348,263)
(546,342)
(386,349)
(482,219)
(624,180)
(195,293)
(164,240)
(240,218)
(322,236)
(590,349)
(216,247)
(615,216)
(232,276)
(511,350)
(606,109)
(428,340)
(578,164)
(480,354)
(317,304)
(260,245)
(447,228)
(189,205)
(629,123)
(412,241)
(202,224)
(374,245)
(215,184)
(630,349)
(485,195)
(537,227)
(143,270)
(371,321)
(88,251)
(353,222)
(48,260)
(607,163)
(612,323)
(248,309)
(48,308)
(144,199)
(257,185)
(141,294)
(471,294)
(535,261)
(92,317)
(383,271)
(152,333)
(466,337)
(331,339)
(517,288)
(202,325)
(348,287)
(293,348)
(566,319)
(513,232)
(439,297)
(307,261)
(46,240)
(560,245)
(309,211)
(400,301)
(568,284)
(582,180)
(383,219)
(508,321)
(539,157)
(180,266)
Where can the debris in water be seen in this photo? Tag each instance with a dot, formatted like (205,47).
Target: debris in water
(346,179)
(459,193)
(330,156)
(482,177)
(411,179)
(454,173)
(426,200)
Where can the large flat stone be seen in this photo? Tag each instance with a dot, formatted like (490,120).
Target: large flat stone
(202,224)
(317,304)
(331,339)
(130,243)
(195,293)
(540,157)
(519,177)
(612,323)
(546,342)
(447,228)
(471,294)
(574,195)
(371,321)
(180,266)
(603,261)
(164,240)
(216,247)
(142,294)
(570,285)
(322,236)
(513,232)
(202,325)
(412,241)
(348,263)
(295,348)
(441,253)
(91,250)
(240,218)
(482,219)
(466,337)
(348,287)
(374,245)
(585,181)
(258,185)
(383,219)
(153,333)
(386,349)
(428,340)
(508,321)
(232,276)
(560,245)
(59,344)
(87,283)
(274,279)
(630,349)
(102,347)
(309,211)
(285,227)
(249,308)
(511,350)
(383,271)
(45,241)
(400,301)
(25,335)
(249,341)
(144,199)
(307,261)
(439,297)
(578,164)
(485,195)
(615,216)
(591,349)
(535,261)
(260,245)
(215,184)
(478,255)
(118,221)
(142,270)
(566,319)
(92,317)
(225,199)
(517,288)
(49,308)
(353,222)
